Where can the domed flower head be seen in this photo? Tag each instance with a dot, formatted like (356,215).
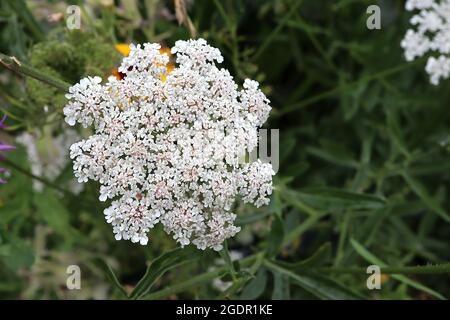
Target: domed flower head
(431,33)
(169,143)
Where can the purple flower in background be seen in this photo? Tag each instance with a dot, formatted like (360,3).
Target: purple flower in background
(1,122)
(3,147)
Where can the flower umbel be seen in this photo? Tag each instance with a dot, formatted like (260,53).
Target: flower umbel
(431,34)
(167,145)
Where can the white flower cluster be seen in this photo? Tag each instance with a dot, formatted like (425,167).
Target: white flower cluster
(167,146)
(431,33)
(49,162)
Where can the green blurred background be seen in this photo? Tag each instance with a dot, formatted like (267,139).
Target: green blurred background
(364,154)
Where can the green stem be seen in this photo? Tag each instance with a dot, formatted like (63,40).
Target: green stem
(32,176)
(15,65)
(22,10)
(312,37)
(232,28)
(225,254)
(342,237)
(436,269)
(428,269)
(302,104)
(198,280)
(279,27)
(299,230)
(225,17)
(206,277)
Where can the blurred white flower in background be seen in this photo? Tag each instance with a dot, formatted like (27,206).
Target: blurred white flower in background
(430,34)
(168,144)
(48,155)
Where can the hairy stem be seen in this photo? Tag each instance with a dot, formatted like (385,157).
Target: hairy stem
(15,65)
